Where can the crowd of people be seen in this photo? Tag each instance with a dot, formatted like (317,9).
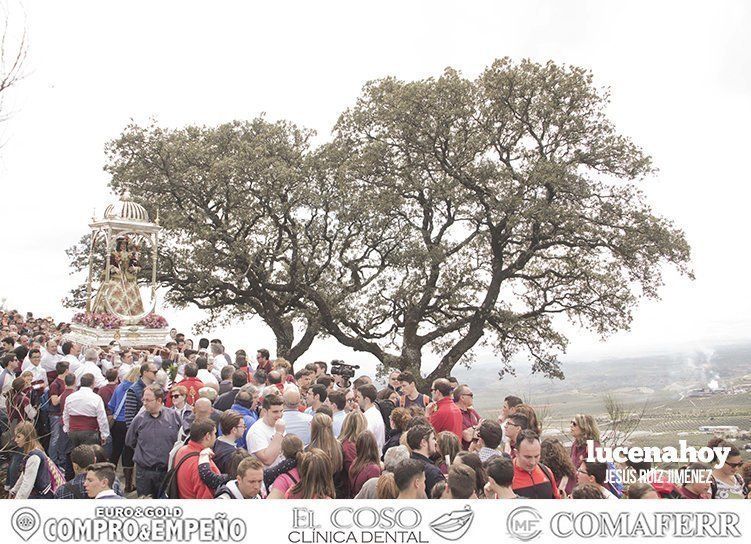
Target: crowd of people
(189,422)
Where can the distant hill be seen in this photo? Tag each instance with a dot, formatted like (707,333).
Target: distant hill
(634,380)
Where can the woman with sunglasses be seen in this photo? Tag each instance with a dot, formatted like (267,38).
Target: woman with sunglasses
(726,482)
(583,428)
(178,396)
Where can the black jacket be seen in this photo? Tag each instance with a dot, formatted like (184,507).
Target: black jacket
(433,474)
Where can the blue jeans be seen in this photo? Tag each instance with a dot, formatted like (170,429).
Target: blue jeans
(57,446)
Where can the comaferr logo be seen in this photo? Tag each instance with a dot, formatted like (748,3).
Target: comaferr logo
(25,522)
(524,523)
(454,525)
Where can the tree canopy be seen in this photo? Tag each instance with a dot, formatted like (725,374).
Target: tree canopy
(442,215)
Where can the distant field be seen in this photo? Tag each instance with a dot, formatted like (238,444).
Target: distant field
(654,385)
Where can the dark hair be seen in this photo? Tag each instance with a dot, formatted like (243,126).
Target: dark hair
(472,460)
(87,380)
(236,459)
(406,472)
(241,360)
(191,370)
(461,481)
(239,378)
(368,392)
(439,488)
(325,409)
(528,436)
(70,379)
(32,352)
(491,433)
(319,390)
(302,373)
(200,428)
(597,470)
(66,347)
(312,367)
(325,381)
(272,400)
(264,353)
(203,343)
(83,455)
(554,456)
(100,455)
(226,372)
(417,434)
(145,367)
(338,398)
(587,491)
(406,377)
(260,376)
(501,470)
(6,359)
(637,490)
(520,420)
(229,420)
(202,363)
(103,471)
(513,401)
(111,375)
(323,365)
(61,367)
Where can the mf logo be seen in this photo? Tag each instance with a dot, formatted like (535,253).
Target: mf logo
(523,523)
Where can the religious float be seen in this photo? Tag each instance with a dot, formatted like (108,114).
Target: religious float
(117,312)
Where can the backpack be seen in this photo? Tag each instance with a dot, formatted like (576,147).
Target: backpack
(55,475)
(169,489)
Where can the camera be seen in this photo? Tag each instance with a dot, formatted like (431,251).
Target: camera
(340,368)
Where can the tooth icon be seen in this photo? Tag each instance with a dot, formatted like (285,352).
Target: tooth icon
(454,525)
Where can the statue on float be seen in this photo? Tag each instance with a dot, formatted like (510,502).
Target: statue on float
(117,311)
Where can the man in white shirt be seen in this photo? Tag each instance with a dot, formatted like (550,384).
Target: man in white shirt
(72,354)
(50,357)
(265,436)
(84,417)
(39,380)
(204,373)
(89,366)
(126,364)
(366,396)
(220,361)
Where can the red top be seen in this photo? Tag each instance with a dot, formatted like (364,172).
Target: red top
(356,483)
(446,416)
(193,385)
(106,393)
(538,484)
(470,418)
(189,483)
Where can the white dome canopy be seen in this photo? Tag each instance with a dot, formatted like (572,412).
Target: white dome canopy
(126,209)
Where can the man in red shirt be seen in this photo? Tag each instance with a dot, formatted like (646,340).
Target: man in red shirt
(443,414)
(189,482)
(532,479)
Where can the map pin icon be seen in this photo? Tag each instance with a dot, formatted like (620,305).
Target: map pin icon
(25,522)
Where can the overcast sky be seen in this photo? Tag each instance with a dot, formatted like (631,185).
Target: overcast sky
(680,75)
